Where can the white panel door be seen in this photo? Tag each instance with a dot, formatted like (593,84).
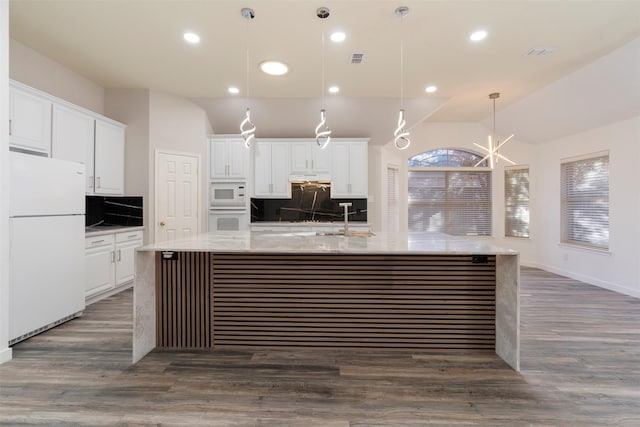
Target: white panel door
(176,196)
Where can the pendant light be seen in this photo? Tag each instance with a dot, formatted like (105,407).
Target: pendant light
(493,155)
(247,128)
(401,135)
(323,133)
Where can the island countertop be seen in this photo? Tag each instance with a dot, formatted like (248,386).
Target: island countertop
(309,242)
(464,292)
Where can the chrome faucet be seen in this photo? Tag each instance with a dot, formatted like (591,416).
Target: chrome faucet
(346,207)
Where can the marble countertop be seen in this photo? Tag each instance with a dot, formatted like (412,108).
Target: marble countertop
(309,242)
(302,224)
(109,229)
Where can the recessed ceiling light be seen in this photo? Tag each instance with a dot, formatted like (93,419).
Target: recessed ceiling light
(478,35)
(338,36)
(274,68)
(234,90)
(191,37)
(431,89)
(334,89)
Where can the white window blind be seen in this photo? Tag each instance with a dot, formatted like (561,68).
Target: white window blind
(516,200)
(585,201)
(451,202)
(393,221)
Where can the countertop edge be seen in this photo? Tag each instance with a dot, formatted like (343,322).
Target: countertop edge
(112,230)
(309,243)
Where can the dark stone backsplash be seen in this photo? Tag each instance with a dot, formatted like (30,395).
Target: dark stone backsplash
(114,210)
(309,202)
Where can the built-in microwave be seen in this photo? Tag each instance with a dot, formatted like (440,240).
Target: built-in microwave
(227,195)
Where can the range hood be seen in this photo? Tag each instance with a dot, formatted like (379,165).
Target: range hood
(315,177)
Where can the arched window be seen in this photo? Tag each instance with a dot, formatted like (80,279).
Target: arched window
(447,157)
(448,195)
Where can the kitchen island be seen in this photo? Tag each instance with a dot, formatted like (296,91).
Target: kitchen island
(417,292)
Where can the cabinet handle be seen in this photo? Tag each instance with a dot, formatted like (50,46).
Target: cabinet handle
(312,164)
(95,242)
(113,256)
(97,182)
(306,164)
(119,255)
(131,236)
(349,186)
(10,127)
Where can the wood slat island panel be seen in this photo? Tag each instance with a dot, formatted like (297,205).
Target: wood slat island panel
(183,301)
(358,301)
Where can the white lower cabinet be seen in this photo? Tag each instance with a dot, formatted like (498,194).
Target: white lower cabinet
(110,261)
(99,263)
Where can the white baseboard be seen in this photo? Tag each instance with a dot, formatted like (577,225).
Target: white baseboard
(587,279)
(6,355)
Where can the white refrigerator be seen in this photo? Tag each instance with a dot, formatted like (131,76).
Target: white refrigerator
(46,222)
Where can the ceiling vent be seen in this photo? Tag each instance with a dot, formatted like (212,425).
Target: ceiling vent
(357,58)
(539,51)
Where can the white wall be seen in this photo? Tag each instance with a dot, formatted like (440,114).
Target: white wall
(131,106)
(38,71)
(619,268)
(5,350)
(177,125)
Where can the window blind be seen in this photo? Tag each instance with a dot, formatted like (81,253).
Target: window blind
(451,202)
(392,200)
(585,202)
(516,200)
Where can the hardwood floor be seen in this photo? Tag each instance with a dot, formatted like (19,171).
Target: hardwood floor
(580,367)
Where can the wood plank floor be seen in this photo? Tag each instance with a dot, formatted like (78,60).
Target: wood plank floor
(580,367)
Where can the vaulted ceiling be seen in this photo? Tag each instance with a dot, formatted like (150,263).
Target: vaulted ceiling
(139,44)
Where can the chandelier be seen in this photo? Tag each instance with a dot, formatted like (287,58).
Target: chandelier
(493,145)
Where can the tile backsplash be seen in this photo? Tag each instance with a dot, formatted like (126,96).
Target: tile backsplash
(114,210)
(309,202)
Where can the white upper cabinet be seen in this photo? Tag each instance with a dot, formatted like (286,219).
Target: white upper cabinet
(41,123)
(29,120)
(228,158)
(349,171)
(272,169)
(72,139)
(308,158)
(109,158)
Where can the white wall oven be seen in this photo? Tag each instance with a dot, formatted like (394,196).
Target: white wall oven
(228,220)
(227,195)
(228,206)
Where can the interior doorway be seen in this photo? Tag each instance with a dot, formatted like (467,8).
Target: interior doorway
(176,195)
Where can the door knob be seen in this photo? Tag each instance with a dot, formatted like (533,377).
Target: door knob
(161,223)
